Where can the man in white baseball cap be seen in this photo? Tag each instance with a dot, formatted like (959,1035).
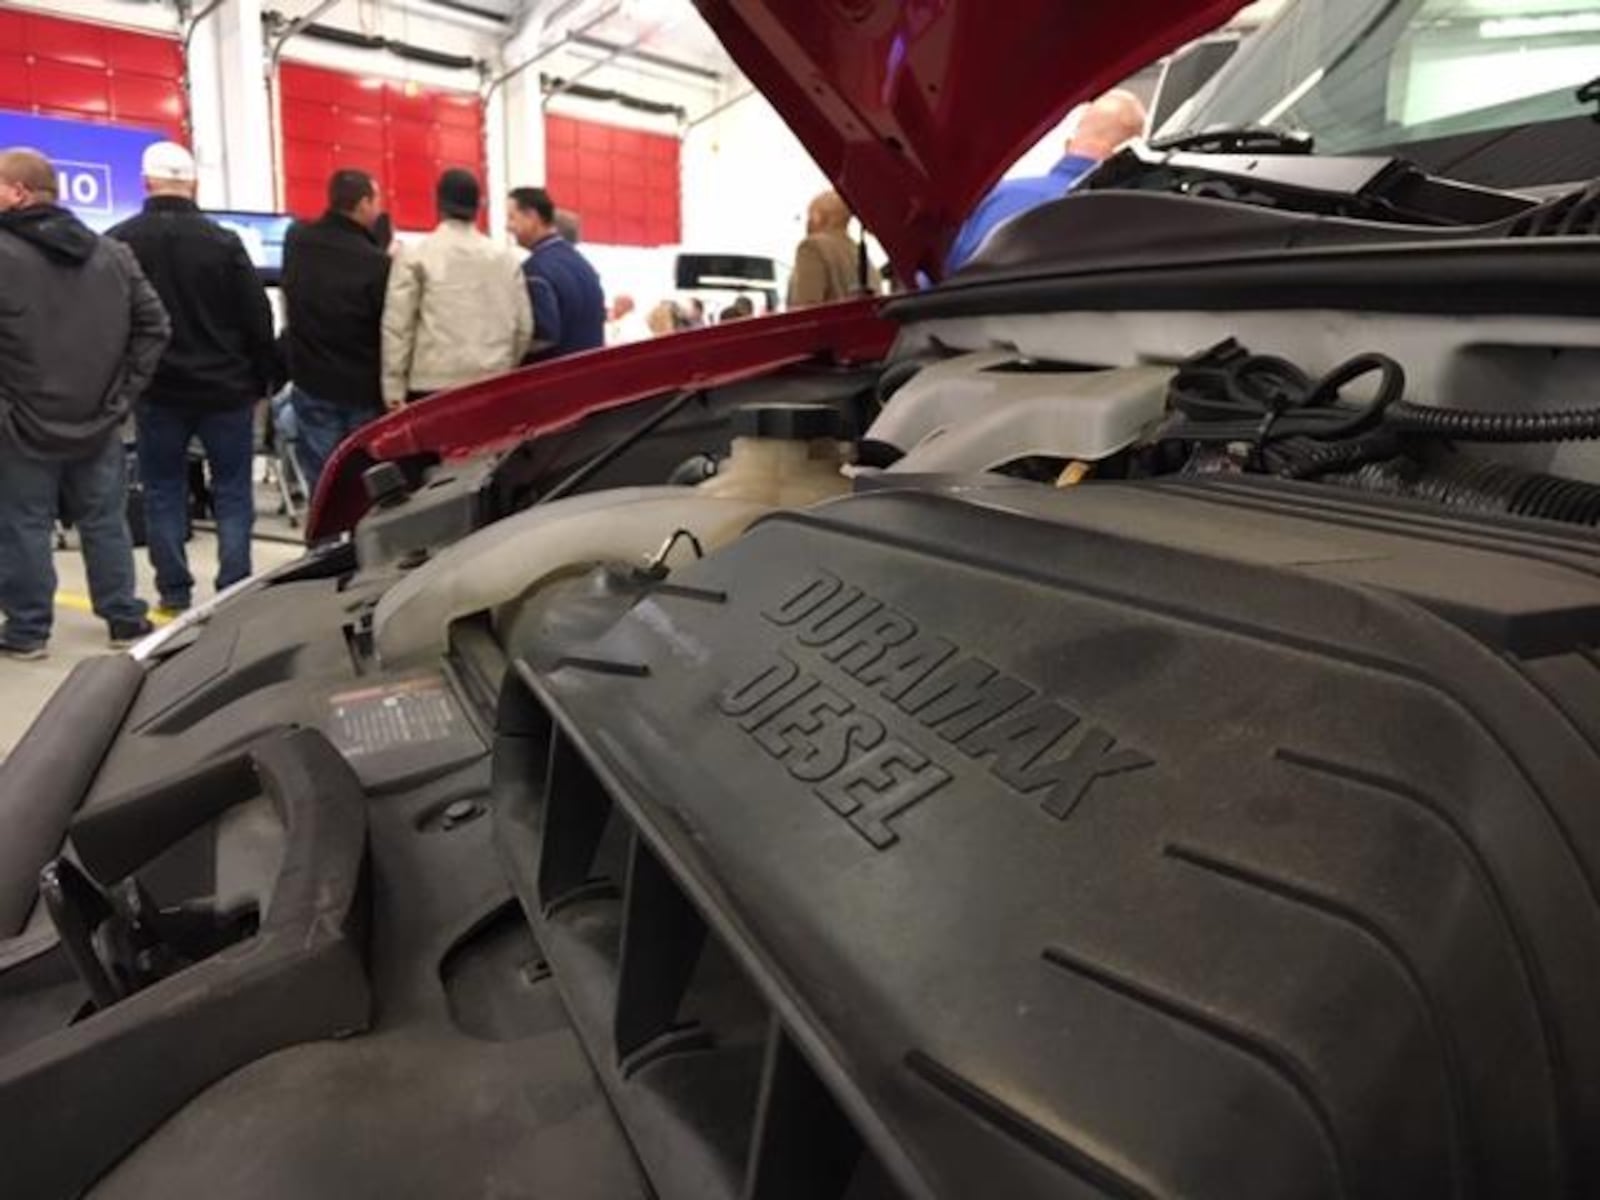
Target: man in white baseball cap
(169,169)
(221,360)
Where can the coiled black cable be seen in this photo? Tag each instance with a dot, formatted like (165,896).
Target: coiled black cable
(1230,395)
(1299,426)
(1569,425)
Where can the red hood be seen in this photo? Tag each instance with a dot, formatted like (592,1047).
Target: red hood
(915,107)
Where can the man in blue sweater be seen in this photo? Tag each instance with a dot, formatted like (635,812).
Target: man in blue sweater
(569,305)
(1113,119)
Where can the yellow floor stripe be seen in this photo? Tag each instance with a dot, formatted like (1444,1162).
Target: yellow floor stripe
(83,604)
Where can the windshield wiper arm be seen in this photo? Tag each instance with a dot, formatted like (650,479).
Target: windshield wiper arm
(1369,187)
(1236,139)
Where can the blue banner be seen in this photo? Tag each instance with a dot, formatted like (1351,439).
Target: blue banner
(99,165)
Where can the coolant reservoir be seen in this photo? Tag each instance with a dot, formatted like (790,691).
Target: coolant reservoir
(786,455)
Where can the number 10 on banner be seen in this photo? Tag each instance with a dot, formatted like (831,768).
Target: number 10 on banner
(85,186)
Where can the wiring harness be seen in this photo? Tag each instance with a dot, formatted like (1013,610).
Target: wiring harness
(1300,427)
(1292,424)
(1288,424)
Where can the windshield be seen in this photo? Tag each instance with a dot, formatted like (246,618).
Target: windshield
(1367,74)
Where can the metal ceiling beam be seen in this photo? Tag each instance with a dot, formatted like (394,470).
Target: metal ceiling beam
(719,109)
(545,52)
(559,10)
(605,61)
(617,50)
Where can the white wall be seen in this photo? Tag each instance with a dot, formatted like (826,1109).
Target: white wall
(746,183)
(514,118)
(643,272)
(231,109)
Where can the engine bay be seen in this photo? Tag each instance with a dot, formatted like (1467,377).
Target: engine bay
(1159,769)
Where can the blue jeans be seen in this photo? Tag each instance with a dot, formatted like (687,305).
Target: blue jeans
(92,492)
(323,425)
(228,437)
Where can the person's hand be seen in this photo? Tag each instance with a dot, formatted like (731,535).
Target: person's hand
(393,405)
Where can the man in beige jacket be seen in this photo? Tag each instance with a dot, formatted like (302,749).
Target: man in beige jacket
(827,264)
(457,307)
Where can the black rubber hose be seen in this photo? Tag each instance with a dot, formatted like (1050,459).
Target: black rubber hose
(870,453)
(1308,458)
(1478,486)
(1569,425)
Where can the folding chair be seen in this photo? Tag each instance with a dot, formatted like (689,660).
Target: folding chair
(282,448)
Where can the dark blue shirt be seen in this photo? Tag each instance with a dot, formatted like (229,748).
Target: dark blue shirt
(1010,198)
(569,305)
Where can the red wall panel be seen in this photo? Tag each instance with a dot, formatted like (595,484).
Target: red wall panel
(63,68)
(623,184)
(402,134)
(15,89)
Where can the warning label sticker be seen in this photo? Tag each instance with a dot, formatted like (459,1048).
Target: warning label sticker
(394,714)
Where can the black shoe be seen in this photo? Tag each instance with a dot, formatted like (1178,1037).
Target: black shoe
(126,633)
(17,653)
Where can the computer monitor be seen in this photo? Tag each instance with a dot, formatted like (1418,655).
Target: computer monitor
(263,235)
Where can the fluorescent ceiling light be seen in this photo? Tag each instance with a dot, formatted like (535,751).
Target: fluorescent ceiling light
(1532,27)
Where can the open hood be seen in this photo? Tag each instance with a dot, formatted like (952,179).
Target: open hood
(915,107)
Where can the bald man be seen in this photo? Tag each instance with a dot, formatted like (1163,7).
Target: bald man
(81,332)
(827,264)
(1110,121)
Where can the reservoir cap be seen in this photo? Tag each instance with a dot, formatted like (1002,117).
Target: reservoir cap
(788,422)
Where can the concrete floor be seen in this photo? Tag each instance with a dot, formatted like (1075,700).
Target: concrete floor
(79,634)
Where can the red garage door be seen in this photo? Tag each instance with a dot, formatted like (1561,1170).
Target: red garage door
(60,68)
(622,183)
(402,134)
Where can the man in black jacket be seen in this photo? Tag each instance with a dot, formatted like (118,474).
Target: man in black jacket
(220,362)
(334,279)
(81,331)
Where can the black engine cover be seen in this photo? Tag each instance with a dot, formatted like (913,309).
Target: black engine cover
(1195,839)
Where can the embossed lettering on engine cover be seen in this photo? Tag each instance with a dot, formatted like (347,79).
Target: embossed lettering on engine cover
(1031,744)
(822,738)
